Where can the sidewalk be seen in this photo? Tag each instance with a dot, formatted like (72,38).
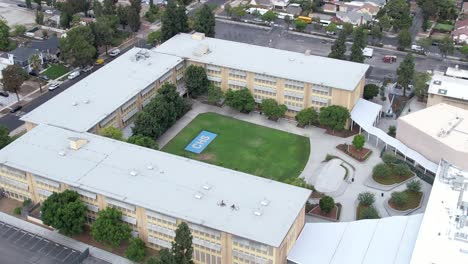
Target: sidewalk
(61,239)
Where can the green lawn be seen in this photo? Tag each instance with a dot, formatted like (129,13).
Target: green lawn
(55,71)
(245,147)
(443,27)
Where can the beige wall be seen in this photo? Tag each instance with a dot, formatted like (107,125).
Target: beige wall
(430,147)
(434,99)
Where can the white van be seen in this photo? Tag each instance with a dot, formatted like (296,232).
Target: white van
(73,75)
(417,48)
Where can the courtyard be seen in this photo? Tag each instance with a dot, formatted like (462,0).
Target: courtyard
(245,147)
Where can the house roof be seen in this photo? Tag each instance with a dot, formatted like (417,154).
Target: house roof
(23,53)
(353,16)
(461,24)
(171,185)
(49,45)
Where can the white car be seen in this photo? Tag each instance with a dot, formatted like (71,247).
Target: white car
(54,86)
(49,11)
(73,75)
(114,53)
(88,68)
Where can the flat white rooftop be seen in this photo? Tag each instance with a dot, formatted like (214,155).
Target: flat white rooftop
(339,74)
(385,241)
(456,72)
(443,235)
(445,123)
(449,87)
(169,184)
(90,100)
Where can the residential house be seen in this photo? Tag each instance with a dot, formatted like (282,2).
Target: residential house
(5,60)
(460,33)
(49,47)
(464,9)
(294,9)
(329,8)
(270,4)
(22,55)
(354,17)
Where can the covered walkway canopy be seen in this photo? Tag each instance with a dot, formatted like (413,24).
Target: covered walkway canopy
(366,114)
(385,241)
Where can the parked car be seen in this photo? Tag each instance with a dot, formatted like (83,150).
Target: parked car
(389,58)
(22,5)
(49,11)
(33,73)
(44,77)
(88,68)
(54,86)
(73,75)
(99,61)
(16,108)
(4,93)
(114,53)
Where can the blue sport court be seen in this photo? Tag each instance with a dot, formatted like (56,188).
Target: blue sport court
(200,142)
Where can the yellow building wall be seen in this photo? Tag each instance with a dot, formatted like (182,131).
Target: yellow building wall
(434,99)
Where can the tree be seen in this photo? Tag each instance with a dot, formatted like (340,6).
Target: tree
(306,117)
(154,38)
(104,30)
(174,20)
(272,110)
(39,4)
(136,250)
(4,35)
(464,50)
(238,12)
(143,141)
(405,72)
(65,212)
(241,100)
(122,15)
(359,141)
(414,186)
(109,228)
(360,37)
(326,204)
(370,91)
(404,38)
(182,246)
(270,16)
(78,47)
(108,7)
(401,169)
(19,30)
(366,198)
(390,159)
(164,257)
(98,9)
(36,64)
(347,29)
(446,46)
(28,4)
(399,198)
(334,117)
(39,17)
(338,49)
(332,27)
(136,5)
(420,81)
(356,54)
(392,131)
(369,213)
(133,19)
(381,170)
(205,21)
(215,94)
(376,32)
(196,80)
(228,9)
(13,78)
(5,138)
(300,25)
(182,20)
(112,132)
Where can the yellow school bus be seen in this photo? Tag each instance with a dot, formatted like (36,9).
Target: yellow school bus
(308,20)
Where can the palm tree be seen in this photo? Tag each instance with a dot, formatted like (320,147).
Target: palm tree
(36,63)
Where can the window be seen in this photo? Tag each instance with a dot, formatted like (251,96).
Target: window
(294,85)
(321,89)
(265,79)
(292,98)
(237,74)
(320,101)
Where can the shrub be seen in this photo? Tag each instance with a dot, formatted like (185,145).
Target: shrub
(326,204)
(17,211)
(392,131)
(369,213)
(359,141)
(414,186)
(27,202)
(401,169)
(389,159)
(381,170)
(135,250)
(366,198)
(308,207)
(399,198)
(370,91)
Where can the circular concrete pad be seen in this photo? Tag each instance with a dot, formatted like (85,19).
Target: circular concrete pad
(330,177)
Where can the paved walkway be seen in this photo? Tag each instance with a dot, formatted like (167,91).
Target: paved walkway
(64,240)
(321,145)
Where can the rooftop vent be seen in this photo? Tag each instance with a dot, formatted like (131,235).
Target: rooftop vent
(234,207)
(76,143)
(149,167)
(86,101)
(222,203)
(307,52)
(437,82)
(62,153)
(142,55)
(198,36)
(265,202)
(291,59)
(442,91)
(198,195)
(257,212)
(133,173)
(201,50)
(206,186)
(75,103)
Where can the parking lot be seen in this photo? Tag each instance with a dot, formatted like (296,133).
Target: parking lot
(19,246)
(13,14)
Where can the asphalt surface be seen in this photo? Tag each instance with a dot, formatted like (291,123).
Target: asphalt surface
(12,121)
(19,246)
(280,38)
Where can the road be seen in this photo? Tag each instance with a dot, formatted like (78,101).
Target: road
(11,121)
(280,38)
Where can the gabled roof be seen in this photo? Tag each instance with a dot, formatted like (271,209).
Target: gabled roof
(23,53)
(48,46)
